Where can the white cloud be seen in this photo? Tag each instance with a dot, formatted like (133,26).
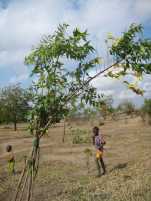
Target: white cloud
(146,85)
(126,94)
(143,9)
(119,91)
(10,57)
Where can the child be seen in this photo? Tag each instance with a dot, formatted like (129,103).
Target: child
(99,142)
(11,159)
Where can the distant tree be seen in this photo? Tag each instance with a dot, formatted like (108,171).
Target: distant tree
(146,110)
(82,110)
(147,107)
(3,114)
(106,107)
(77,111)
(14,102)
(90,112)
(127,107)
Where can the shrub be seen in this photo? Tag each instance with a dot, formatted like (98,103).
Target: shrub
(146,111)
(80,136)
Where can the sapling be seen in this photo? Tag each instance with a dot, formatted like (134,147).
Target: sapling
(62,69)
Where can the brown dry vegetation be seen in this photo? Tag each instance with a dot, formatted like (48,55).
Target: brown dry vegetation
(63,174)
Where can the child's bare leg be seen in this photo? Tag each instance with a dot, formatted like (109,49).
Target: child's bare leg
(103,165)
(98,166)
(11,167)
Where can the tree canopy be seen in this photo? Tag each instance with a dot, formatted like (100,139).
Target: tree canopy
(14,104)
(132,52)
(59,85)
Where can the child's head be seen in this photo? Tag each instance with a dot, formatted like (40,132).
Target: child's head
(96,130)
(9,148)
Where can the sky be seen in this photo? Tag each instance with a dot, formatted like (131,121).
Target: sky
(24,22)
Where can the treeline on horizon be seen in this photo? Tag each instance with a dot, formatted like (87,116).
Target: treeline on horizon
(16,103)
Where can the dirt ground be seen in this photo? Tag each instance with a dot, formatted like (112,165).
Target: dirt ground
(63,173)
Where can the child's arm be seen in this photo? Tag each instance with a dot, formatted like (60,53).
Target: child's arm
(103,140)
(93,140)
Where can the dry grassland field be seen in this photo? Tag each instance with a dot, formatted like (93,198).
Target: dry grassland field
(64,174)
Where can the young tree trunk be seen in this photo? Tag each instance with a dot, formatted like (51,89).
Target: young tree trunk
(15,122)
(64,130)
(15,125)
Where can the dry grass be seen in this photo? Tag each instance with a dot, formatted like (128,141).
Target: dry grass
(63,173)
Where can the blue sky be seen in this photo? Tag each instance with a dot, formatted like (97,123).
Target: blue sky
(4,3)
(23,22)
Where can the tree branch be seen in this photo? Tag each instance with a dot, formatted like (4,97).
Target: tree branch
(75,93)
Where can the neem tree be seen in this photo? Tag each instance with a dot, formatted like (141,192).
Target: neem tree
(59,86)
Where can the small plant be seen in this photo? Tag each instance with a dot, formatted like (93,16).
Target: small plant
(101,123)
(127,108)
(80,136)
(88,153)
